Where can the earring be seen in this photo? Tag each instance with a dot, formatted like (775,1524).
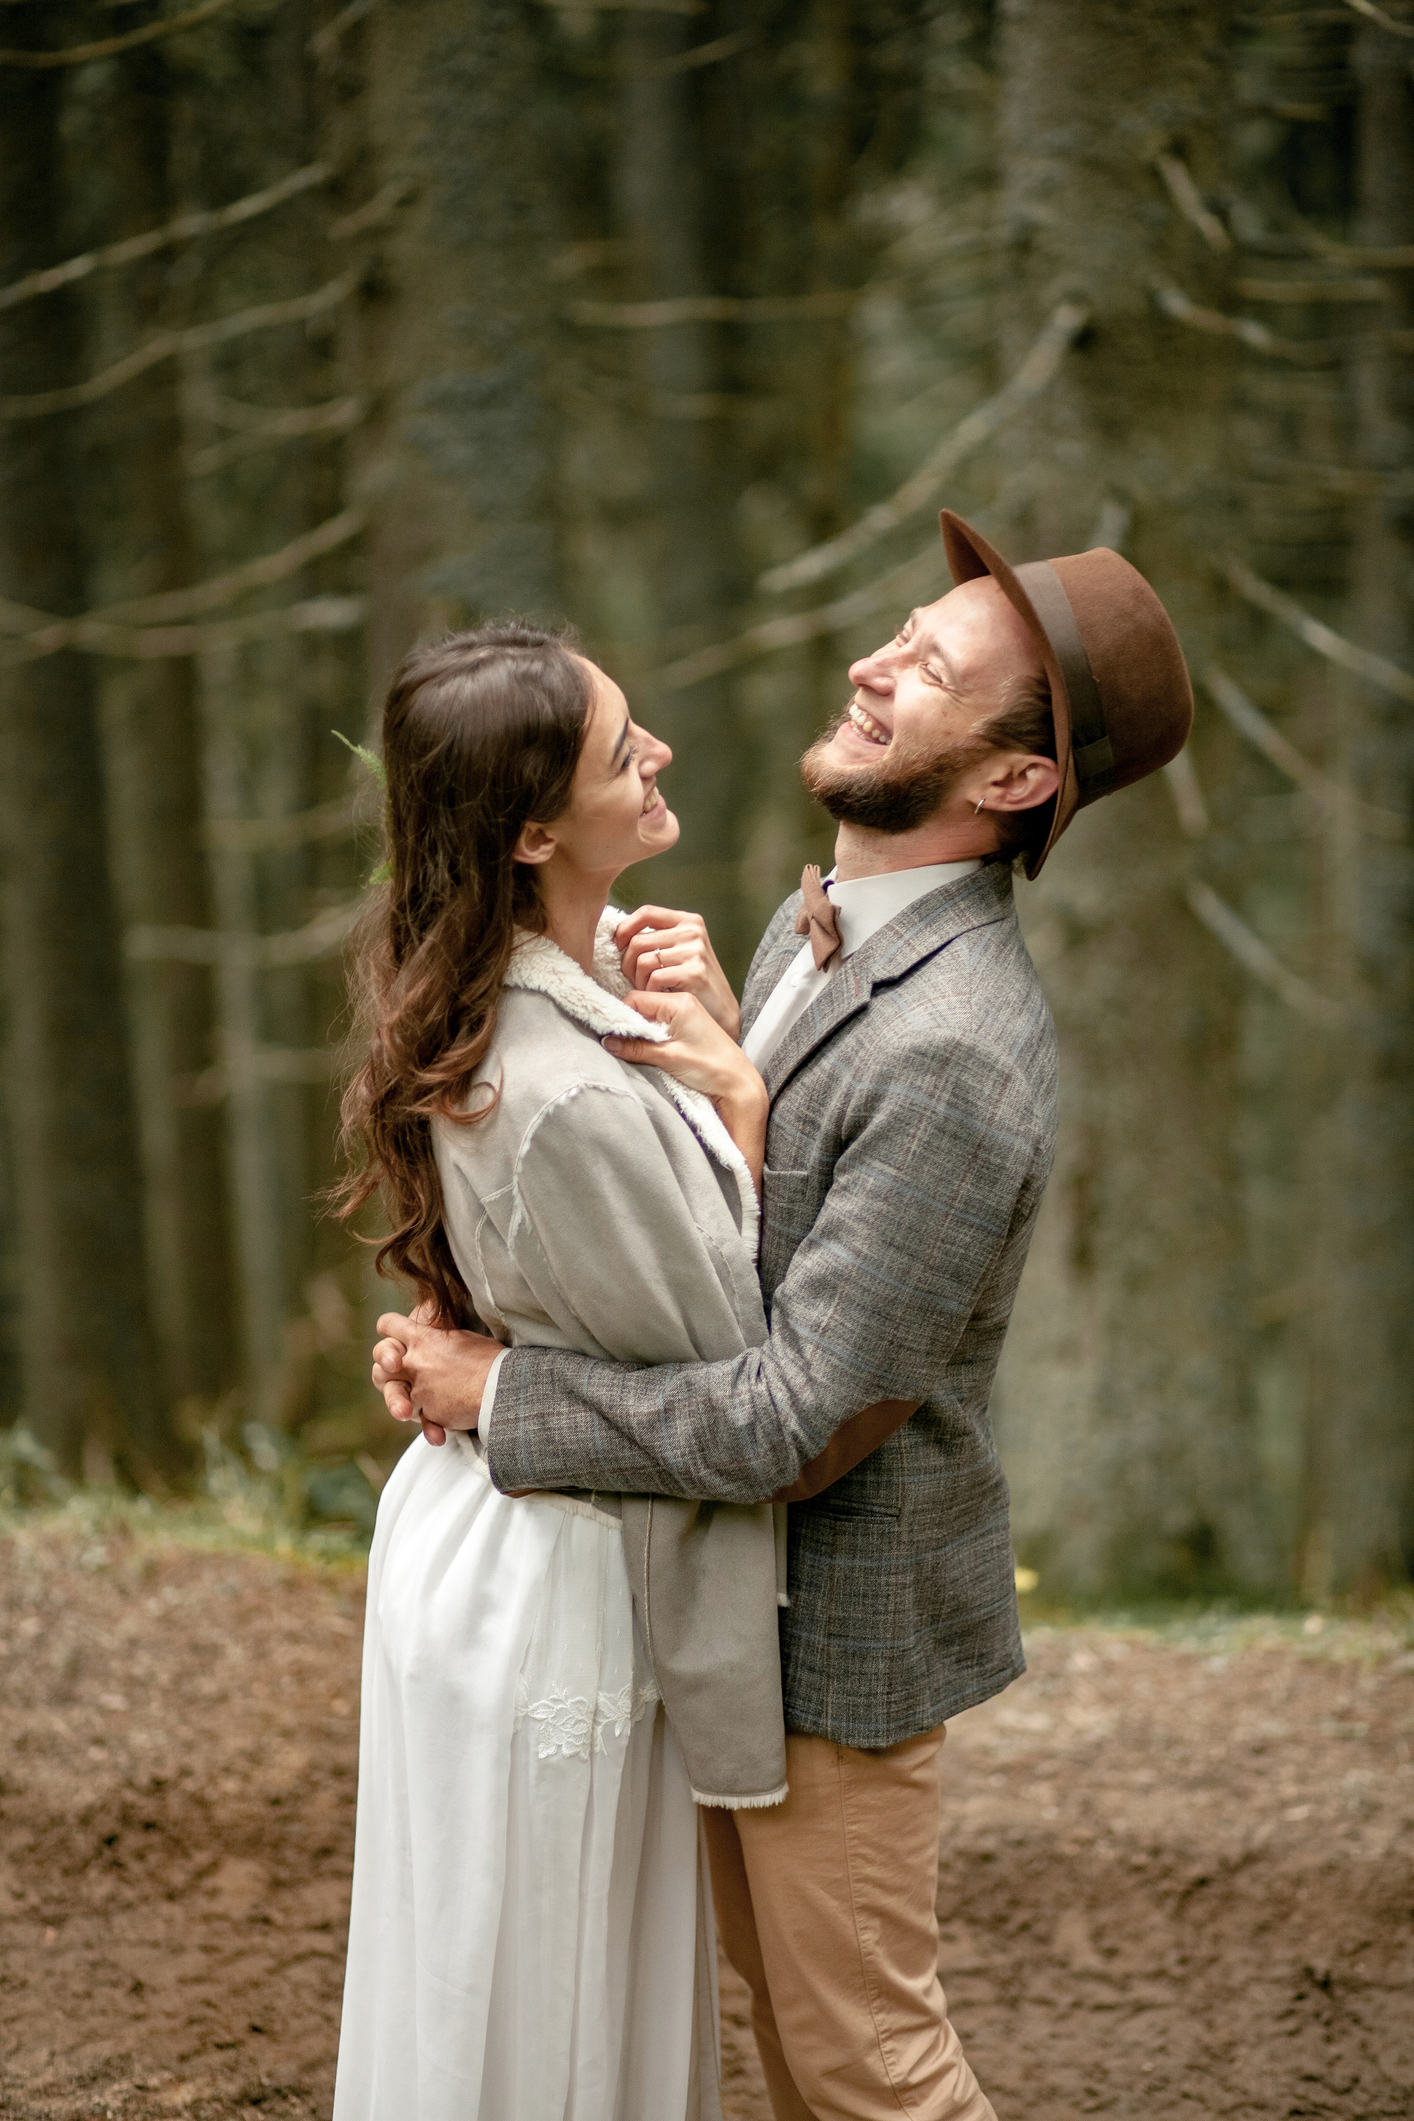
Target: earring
(980,801)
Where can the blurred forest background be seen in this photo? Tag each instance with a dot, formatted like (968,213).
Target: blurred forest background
(323,329)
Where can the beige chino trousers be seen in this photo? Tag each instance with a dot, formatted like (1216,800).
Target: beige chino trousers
(827,1909)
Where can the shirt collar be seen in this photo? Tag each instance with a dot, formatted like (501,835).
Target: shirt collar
(869,903)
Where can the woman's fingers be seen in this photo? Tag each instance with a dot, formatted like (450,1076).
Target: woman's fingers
(671,953)
(632,1049)
(653,948)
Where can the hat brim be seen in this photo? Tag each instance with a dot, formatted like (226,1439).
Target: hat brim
(969,557)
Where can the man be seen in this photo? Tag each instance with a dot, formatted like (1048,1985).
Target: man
(911,1062)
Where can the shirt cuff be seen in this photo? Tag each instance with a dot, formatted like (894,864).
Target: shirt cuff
(488,1397)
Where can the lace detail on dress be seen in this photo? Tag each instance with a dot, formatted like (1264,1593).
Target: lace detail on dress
(573,1727)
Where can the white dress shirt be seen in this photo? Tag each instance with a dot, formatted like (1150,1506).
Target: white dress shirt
(865,905)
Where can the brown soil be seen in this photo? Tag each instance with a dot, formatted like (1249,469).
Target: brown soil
(1174,1884)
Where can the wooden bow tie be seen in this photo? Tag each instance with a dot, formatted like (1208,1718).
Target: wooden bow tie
(818,918)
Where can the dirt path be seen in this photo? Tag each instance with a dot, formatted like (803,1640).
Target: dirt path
(1173,1884)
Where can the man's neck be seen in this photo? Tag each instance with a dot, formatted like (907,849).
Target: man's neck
(859,852)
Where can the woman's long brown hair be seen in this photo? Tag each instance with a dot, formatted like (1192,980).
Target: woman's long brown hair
(482,732)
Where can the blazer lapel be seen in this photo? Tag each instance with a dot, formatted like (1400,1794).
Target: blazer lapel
(919,932)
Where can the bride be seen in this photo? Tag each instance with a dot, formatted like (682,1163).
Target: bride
(551,1682)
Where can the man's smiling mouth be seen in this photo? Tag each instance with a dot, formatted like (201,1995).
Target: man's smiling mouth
(860,719)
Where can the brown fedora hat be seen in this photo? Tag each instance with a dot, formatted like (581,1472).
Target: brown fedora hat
(1121,696)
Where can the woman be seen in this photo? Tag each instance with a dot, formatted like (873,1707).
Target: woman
(531,1934)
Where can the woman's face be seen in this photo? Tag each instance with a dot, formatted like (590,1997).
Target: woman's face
(616,815)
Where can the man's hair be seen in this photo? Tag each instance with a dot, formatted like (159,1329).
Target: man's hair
(1023,722)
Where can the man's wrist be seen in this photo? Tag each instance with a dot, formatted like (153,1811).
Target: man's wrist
(488,1396)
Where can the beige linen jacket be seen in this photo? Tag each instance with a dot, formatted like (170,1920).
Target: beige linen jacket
(604,1209)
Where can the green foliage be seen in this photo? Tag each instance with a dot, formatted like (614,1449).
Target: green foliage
(383,873)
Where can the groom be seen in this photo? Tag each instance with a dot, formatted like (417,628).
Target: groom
(911,1062)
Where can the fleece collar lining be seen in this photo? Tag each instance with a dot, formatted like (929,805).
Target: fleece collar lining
(597,1005)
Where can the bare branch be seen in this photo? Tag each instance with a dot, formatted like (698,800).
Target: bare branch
(325,42)
(715,309)
(1335,478)
(1260,959)
(246,1064)
(159,643)
(1187,796)
(374,212)
(53,634)
(253,835)
(80,54)
(1324,639)
(789,632)
(336,417)
(324,936)
(1174,303)
(1189,201)
(1062,327)
(699,55)
(637,7)
(1248,719)
(1357,253)
(1259,290)
(262,317)
(1377,14)
(185,229)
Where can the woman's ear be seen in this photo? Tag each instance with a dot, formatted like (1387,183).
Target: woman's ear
(536,844)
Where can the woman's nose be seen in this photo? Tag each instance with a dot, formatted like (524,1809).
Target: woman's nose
(656,753)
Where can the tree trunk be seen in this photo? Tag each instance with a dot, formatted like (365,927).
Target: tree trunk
(458,343)
(251,117)
(1124,1406)
(86,1344)
(140,544)
(1361,1503)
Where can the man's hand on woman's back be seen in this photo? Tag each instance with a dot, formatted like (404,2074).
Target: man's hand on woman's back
(668,952)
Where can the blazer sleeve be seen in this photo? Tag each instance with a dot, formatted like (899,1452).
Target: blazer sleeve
(606,1238)
(944,1152)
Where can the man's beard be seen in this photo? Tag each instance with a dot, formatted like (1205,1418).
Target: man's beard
(898,795)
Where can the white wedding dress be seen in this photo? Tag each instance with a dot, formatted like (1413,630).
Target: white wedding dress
(529,1906)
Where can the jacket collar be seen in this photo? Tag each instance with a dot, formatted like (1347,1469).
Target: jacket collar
(597,1006)
(919,932)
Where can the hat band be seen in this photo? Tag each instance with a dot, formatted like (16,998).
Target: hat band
(1090,748)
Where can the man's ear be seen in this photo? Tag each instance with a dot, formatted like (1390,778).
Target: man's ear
(536,844)
(1022,782)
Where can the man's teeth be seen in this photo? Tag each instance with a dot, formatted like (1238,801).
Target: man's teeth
(866,725)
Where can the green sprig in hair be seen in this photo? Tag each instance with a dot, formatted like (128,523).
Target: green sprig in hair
(383,874)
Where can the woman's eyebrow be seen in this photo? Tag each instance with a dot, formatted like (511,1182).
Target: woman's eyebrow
(623,738)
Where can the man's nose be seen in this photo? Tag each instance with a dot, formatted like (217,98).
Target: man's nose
(872,671)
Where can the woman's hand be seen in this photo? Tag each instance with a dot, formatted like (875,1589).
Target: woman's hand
(666,952)
(702,1055)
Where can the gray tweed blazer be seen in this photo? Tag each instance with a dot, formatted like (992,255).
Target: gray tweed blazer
(912,1128)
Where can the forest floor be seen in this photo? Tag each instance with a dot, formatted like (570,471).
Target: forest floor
(1177,1862)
